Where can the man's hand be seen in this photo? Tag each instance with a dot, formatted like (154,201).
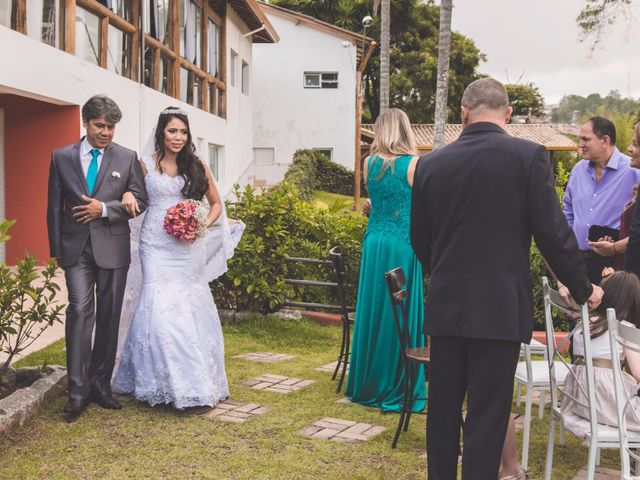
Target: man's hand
(91,211)
(604,247)
(130,204)
(595,298)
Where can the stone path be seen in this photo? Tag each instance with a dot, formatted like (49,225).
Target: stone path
(340,430)
(601,474)
(277,383)
(268,357)
(234,411)
(330,367)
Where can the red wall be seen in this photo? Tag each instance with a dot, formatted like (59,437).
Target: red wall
(32,130)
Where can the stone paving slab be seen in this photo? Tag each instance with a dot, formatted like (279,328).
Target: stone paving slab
(277,383)
(340,430)
(268,357)
(601,474)
(236,412)
(330,367)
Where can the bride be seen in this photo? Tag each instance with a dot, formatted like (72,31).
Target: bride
(174,352)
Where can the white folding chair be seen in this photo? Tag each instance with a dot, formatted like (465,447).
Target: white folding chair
(534,376)
(596,435)
(621,334)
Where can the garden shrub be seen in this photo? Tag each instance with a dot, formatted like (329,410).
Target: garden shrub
(312,170)
(281,223)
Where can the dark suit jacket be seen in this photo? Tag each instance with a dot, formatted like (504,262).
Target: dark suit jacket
(632,255)
(119,172)
(476,204)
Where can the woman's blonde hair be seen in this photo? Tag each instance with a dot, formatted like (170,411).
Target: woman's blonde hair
(393,137)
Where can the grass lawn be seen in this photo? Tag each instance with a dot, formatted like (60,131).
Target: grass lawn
(341,203)
(143,442)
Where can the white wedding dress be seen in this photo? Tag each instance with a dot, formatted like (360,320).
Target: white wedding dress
(174,351)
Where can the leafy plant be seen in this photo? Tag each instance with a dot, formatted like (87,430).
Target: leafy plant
(312,170)
(27,302)
(281,223)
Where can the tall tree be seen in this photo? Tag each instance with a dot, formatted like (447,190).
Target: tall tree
(442,85)
(385,40)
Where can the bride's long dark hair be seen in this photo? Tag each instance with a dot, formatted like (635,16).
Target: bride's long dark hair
(190,167)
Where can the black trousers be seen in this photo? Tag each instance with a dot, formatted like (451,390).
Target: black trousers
(95,298)
(482,370)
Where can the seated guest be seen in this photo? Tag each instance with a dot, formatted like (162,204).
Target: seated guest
(375,371)
(621,292)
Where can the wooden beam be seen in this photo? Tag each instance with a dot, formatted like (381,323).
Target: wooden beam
(136,49)
(19,16)
(104,42)
(166,51)
(174,44)
(102,11)
(155,69)
(358,160)
(222,104)
(69,39)
(204,53)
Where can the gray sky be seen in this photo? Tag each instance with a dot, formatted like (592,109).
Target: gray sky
(541,39)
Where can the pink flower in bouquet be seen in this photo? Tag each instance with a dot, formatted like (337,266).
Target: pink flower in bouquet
(186,221)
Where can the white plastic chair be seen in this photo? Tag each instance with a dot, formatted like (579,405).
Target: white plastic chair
(595,435)
(534,376)
(622,334)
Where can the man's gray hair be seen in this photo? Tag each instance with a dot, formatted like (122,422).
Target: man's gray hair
(101,106)
(485,93)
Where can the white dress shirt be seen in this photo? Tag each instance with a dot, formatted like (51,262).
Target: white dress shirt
(85,161)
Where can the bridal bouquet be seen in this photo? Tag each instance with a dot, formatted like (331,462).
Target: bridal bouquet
(186,221)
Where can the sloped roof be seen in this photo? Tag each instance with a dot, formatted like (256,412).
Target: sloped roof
(251,14)
(545,134)
(358,39)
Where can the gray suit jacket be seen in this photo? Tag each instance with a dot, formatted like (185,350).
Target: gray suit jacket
(119,172)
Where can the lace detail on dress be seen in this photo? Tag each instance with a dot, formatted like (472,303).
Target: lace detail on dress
(390,197)
(174,351)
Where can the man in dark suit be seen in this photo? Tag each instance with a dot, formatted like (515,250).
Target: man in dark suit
(89,236)
(476,204)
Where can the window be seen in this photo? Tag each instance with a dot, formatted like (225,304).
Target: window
(320,79)
(214,160)
(214,45)
(191,31)
(117,58)
(87,35)
(232,68)
(328,152)
(264,156)
(43,21)
(5,13)
(245,78)
(186,94)
(156,18)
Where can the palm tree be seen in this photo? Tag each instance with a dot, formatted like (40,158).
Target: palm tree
(442,86)
(385,20)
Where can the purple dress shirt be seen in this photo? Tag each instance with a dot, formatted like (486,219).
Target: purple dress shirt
(587,202)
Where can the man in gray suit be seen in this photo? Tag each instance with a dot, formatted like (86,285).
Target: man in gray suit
(89,237)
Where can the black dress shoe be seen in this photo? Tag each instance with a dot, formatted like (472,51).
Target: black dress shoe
(73,409)
(105,400)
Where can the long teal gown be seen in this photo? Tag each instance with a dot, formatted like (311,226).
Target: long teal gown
(375,373)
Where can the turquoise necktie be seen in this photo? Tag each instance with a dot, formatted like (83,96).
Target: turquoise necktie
(92,172)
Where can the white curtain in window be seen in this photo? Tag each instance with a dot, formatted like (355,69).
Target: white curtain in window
(190,31)
(213,48)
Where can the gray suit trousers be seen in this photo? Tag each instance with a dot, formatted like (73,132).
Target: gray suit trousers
(95,298)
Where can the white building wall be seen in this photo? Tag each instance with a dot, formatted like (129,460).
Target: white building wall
(288,116)
(51,75)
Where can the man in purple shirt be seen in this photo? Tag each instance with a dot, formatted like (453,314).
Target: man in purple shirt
(599,187)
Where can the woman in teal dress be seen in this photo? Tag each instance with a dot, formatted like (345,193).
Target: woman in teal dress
(375,371)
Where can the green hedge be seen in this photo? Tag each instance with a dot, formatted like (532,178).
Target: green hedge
(280,224)
(312,170)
